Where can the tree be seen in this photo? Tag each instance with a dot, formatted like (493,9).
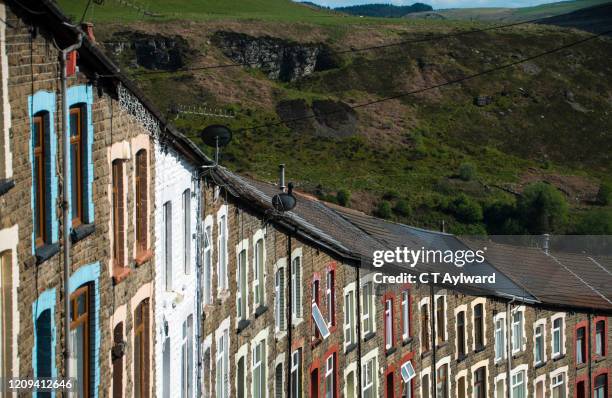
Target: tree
(384,209)
(343,197)
(402,208)
(542,208)
(595,222)
(604,195)
(467,171)
(466,209)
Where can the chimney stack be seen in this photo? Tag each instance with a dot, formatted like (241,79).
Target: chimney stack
(281,177)
(546,243)
(89,31)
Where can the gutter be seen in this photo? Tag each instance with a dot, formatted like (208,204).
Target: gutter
(508,346)
(66,205)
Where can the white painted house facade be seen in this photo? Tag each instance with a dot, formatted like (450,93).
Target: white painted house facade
(176,277)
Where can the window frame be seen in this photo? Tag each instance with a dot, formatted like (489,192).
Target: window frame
(40,126)
(77,320)
(330,297)
(119,224)
(388,322)
(141,201)
(405,305)
(604,341)
(297,293)
(79,142)
(259,270)
(561,331)
(142,329)
(499,320)
(222,250)
(187,234)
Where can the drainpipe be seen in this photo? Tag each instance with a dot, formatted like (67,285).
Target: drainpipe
(198,274)
(587,344)
(66,205)
(508,346)
(289,319)
(432,319)
(358,326)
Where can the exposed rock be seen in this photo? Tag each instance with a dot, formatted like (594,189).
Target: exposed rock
(279,59)
(323,118)
(156,51)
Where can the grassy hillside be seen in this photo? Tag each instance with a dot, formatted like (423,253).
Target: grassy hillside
(462,154)
(510,14)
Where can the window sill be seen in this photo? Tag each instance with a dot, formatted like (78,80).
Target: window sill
(407,341)
(81,232)
(425,354)
(45,252)
(350,348)
(558,357)
(540,365)
(390,351)
(6,185)
(461,358)
(260,311)
(479,349)
(315,341)
(441,346)
(242,324)
(599,358)
(120,274)
(369,336)
(143,257)
(516,355)
(580,365)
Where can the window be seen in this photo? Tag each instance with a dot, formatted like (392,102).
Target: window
(315,300)
(167,235)
(117,361)
(558,386)
(141,202)
(42,176)
(461,387)
(478,326)
(600,338)
(441,319)
(518,385)
(388,323)
(581,389)
(499,388)
(222,249)
(206,373)
(221,365)
(314,383)
(406,389)
(141,350)
(349,318)
(166,368)
(78,165)
(461,334)
(187,231)
(600,388)
(500,341)
(517,331)
(6,321)
(241,378)
(425,391)
(187,358)
(296,288)
(405,315)
(79,340)
(259,269)
(539,389)
(118,214)
(390,387)
(44,347)
(330,376)
(279,382)
(330,298)
(580,345)
(207,263)
(538,347)
(296,373)
(557,333)
(425,328)
(259,370)
(368,308)
(480,382)
(241,297)
(349,384)
(279,293)
(368,375)
(442,382)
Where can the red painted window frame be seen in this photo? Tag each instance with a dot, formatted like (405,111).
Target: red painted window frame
(584,379)
(390,371)
(316,365)
(597,373)
(316,336)
(579,325)
(605,340)
(331,351)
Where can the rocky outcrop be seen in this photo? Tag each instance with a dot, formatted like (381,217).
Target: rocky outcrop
(156,52)
(326,118)
(279,59)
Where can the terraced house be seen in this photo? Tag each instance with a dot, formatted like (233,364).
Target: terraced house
(185,280)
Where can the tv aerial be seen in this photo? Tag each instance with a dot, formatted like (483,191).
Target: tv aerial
(216,136)
(284,201)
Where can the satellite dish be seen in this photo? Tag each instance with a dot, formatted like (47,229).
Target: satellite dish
(216,136)
(284,201)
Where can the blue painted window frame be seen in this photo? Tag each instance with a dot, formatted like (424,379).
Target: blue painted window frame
(83,95)
(44,101)
(46,301)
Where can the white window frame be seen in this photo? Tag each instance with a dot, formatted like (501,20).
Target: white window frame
(461,308)
(242,353)
(445,361)
(539,379)
(563,371)
(349,328)
(280,329)
(458,376)
(243,246)
(561,316)
(474,303)
(222,251)
(297,369)
(280,360)
(524,369)
(388,323)
(222,332)
(370,357)
(297,313)
(367,317)
(425,372)
(9,240)
(351,367)
(207,389)
(500,319)
(258,280)
(442,294)
(480,364)
(405,306)
(500,377)
(539,323)
(424,302)
(186,203)
(207,261)
(330,372)
(522,343)
(260,340)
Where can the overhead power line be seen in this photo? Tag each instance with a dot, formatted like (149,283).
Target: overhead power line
(440,85)
(346,51)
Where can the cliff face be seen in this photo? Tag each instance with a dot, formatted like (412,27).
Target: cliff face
(279,59)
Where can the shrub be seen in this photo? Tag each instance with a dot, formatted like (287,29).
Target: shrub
(343,197)
(402,208)
(542,208)
(384,209)
(604,195)
(467,171)
(466,209)
(595,222)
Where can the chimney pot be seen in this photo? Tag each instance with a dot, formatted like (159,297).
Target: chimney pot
(88,28)
(281,177)
(546,243)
